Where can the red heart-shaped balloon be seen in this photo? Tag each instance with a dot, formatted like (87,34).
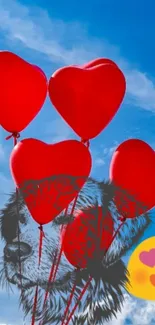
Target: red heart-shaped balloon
(87,99)
(87,236)
(23,92)
(95,62)
(40,70)
(49,176)
(98,62)
(132,169)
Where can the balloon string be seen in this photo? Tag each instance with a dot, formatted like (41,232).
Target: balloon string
(58,262)
(74,287)
(81,295)
(50,277)
(34,306)
(54,268)
(19,250)
(123,219)
(86,142)
(42,235)
(15,136)
(71,213)
(49,281)
(69,302)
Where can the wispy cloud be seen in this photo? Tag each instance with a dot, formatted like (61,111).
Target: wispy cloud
(70,43)
(7,186)
(140,88)
(61,42)
(108,152)
(102,156)
(2,153)
(58,130)
(99,162)
(6,182)
(135,312)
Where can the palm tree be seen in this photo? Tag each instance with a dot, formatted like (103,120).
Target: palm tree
(105,294)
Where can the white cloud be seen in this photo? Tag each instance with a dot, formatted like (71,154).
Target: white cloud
(112,149)
(108,152)
(141,89)
(2,153)
(139,312)
(97,159)
(99,162)
(41,33)
(101,156)
(58,130)
(6,187)
(70,43)
(6,182)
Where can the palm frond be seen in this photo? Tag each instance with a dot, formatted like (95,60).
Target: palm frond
(128,237)
(105,297)
(132,230)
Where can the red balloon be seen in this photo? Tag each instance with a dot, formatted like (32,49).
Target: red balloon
(132,169)
(23,92)
(87,237)
(87,99)
(98,62)
(49,176)
(95,62)
(40,70)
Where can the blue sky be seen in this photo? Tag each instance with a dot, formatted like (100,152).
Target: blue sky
(52,34)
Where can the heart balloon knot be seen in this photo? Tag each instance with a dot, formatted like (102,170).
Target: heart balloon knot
(86,142)
(14,135)
(122,219)
(41,229)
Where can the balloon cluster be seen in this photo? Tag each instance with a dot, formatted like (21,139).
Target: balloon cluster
(50,176)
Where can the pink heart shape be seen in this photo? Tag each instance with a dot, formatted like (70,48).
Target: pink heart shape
(148,258)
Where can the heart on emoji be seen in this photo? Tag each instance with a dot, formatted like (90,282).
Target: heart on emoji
(87,99)
(132,171)
(148,258)
(49,176)
(23,92)
(152,279)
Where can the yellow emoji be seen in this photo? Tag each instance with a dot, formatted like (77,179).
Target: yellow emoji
(141,268)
